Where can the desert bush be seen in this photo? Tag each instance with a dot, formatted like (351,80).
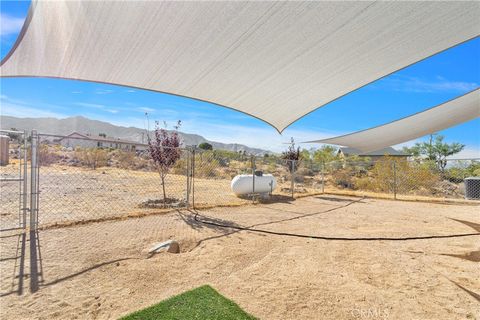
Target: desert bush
(461,170)
(343,178)
(180,167)
(304,171)
(346,172)
(91,157)
(389,174)
(47,156)
(207,169)
(126,159)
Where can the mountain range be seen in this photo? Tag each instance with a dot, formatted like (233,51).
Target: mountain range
(94,127)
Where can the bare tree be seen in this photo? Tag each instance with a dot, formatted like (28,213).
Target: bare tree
(164,150)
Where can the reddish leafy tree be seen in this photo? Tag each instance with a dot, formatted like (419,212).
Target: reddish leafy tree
(164,150)
(292,157)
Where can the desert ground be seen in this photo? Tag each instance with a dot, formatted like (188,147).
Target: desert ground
(102,270)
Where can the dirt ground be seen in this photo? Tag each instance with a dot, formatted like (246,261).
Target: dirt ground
(101,270)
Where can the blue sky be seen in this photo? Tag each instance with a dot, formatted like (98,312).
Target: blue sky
(416,88)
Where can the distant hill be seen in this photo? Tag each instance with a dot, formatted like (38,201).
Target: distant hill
(94,127)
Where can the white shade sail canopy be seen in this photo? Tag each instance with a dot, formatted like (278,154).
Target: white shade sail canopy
(453,112)
(276,61)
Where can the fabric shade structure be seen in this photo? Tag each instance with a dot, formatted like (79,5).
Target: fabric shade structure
(453,112)
(276,61)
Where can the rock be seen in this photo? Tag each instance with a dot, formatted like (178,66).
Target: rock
(171,246)
(174,247)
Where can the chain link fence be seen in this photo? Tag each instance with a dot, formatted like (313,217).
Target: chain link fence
(384,177)
(400,178)
(83,179)
(79,180)
(13,188)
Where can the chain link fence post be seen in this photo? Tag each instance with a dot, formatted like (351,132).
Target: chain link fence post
(34,204)
(193,177)
(323,175)
(394,180)
(293,165)
(188,174)
(252,163)
(25,180)
(33,180)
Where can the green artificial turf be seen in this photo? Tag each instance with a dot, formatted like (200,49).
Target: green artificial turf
(201,303)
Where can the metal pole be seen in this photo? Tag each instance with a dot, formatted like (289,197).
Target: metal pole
(252,162)
(34,213)
(292,175)
(33,180)
(394,180)
(188,176)
(323,177)
(253,172)
(25,181)
(193,177)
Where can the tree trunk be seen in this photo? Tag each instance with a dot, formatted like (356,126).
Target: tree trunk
(162,176)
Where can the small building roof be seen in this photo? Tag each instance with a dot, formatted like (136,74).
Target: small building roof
(381,152)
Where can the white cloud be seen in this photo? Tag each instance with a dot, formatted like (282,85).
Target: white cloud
(414,84)
(97,106)
(103,91)
(90,105)
(22,109)
(10,25)
(146,109)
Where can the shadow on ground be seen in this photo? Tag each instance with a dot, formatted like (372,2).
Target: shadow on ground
(473,225)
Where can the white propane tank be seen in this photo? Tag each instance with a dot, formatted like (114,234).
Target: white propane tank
(243,184)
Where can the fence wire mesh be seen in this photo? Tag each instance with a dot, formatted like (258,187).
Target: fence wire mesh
(80,181)
(12,184)
(400,178)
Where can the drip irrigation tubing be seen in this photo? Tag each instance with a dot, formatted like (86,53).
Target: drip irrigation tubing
(196,218)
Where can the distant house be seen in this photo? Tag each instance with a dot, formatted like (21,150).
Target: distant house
(374,155)
(76,139)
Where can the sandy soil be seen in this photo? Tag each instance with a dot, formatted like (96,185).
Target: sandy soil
(101,270)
